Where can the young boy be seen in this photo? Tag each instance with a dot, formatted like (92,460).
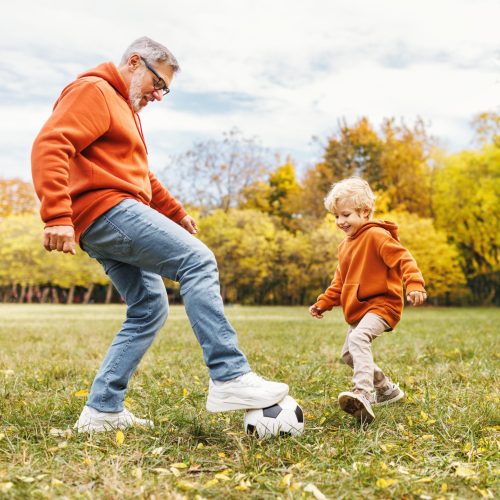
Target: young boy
(368,285)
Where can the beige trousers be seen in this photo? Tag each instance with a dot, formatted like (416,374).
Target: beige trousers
(357,353)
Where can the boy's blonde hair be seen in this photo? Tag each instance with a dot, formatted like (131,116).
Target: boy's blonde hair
(354,189)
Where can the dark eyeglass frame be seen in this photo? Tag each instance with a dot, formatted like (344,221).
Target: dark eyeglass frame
(160,84)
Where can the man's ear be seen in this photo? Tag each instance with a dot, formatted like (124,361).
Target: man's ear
(133,62)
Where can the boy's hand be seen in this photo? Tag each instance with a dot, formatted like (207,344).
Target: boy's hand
(416,298)
(315,312)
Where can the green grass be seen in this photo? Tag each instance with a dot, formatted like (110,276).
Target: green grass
(442,442)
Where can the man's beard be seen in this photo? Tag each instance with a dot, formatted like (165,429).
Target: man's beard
(134,93)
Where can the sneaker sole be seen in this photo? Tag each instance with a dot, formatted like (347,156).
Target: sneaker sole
(356,408)
(399,397)
(215,405)
(108,427)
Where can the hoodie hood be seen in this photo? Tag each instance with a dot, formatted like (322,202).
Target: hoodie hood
(384,224)
(109,72)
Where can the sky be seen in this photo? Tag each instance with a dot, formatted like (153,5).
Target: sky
(281,72)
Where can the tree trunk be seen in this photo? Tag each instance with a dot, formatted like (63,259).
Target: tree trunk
(29,294)
(55,296)
(71,295)
(45,294)
(21,294)
(88,294)
(109,293)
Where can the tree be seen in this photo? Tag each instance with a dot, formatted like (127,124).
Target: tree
(394,160)
(466,204)
(213,174)
(16,197)
(487,128)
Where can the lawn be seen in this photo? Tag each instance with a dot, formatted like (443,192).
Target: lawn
(441,442)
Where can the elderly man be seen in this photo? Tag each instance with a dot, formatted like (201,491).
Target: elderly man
(91,173)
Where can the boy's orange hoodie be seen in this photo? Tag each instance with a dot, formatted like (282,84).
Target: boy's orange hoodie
(369,278)
(91,154)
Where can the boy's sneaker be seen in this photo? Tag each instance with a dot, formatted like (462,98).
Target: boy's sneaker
(92,420)
(246,392)
(358,405)
(390,395)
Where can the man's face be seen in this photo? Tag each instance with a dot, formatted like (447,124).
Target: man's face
(142,85)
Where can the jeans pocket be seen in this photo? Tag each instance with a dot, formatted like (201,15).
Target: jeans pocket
(106,239)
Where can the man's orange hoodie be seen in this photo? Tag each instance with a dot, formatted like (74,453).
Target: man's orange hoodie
(369,278)
(91,154)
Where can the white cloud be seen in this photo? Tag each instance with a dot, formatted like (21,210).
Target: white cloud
(303,66)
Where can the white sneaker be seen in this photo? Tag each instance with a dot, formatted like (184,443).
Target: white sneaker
(358,405)
(246,392)
(92,420)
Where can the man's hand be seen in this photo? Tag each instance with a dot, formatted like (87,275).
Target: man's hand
(60,238)
(189,224)
(315,312)
(416,298)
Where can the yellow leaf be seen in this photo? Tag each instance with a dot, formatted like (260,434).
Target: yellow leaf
(222,477)
(5,487)
(185,485)
(444,488)
(211,482)
(82,394)
(87,461)
(161,470)
(424,416)
(120,438)
(137,473)
(385,483)
(56,482)
(424,480)
(241,487)
(464,470)
(258,455)
(200,446)
(26,479)
(179,465)
(286,481)
(2,435)
(222,455)
(185,392)
(427,437)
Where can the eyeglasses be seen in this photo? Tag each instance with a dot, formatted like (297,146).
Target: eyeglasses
(160,83)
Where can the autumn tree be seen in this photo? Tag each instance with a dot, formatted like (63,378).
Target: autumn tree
(213,174)
(466,204)
(16,197)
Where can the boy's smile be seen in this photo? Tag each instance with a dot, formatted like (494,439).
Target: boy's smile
(348,219)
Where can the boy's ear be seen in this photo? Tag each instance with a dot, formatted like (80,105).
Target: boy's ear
(366,212)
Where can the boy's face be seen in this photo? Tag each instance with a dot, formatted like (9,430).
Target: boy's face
(348,219)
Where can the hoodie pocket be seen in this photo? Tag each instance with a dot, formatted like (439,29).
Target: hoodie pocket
(349,295)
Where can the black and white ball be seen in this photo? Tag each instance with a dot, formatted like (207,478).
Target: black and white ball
(284,418)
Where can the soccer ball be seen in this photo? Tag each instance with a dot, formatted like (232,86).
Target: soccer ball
(284,418)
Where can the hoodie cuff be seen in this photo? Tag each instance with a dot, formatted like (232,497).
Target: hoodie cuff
(415,287)
(60,221)
(323,305)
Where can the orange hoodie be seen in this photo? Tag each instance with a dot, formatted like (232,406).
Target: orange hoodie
(372,268)
(91,154)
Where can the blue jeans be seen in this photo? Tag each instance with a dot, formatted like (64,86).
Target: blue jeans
(137,245)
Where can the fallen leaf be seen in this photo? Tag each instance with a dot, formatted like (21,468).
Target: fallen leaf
(56,482)
(385,483)
(211,482)
(185,485)
(179,465)
(158,451)
(464,470)
(120,438)
(26,479)
(311,488)
(5,487)
(161,470)
(222,476)
(286,481)
(175,471)
(2,435)
(185,392)
(82,393)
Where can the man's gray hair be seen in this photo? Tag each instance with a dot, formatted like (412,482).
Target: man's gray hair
(153,52)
